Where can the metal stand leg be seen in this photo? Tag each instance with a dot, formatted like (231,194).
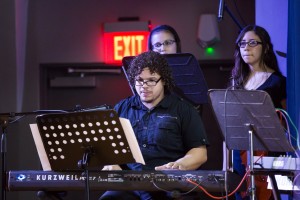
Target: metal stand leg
(250,162)
(3,123)
(83,164)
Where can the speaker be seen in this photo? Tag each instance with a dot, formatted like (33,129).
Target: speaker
(208,31)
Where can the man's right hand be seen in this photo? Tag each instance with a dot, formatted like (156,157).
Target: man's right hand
(111,167)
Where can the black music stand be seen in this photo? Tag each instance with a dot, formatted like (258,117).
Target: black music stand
(85,140)
(188,76)
(248,121)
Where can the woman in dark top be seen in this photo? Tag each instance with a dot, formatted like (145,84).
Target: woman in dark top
(256,68)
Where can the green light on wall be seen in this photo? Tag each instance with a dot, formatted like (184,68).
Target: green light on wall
(210,50)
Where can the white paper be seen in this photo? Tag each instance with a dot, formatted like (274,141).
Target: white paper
(131,139)
(40,147)
(283,183)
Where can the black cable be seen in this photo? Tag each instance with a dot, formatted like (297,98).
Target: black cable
(238,12)
(175,192)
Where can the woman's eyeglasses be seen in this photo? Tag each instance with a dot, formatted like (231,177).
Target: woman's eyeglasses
(251,43)
(165,43)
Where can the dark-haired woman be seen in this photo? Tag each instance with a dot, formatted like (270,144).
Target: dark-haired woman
(256,68)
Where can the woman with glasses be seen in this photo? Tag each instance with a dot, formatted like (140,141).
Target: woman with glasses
(164,39)
(256,68)
(168,129)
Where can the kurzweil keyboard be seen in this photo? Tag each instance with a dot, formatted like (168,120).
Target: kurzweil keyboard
(212,181)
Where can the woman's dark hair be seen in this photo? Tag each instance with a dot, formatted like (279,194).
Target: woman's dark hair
(165,28)
(156,63)
(241,70)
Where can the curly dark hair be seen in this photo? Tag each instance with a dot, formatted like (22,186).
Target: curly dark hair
(241,70)
(156,63)
(169,29)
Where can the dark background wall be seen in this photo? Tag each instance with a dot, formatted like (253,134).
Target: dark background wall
(37,34)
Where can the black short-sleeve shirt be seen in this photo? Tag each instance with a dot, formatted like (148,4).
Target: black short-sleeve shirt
(166,132)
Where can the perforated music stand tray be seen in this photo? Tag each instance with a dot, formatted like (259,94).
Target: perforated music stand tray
(188,76)
(67,137)
(236,108)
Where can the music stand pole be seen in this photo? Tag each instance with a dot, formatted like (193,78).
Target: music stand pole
(251,132)
(83,164)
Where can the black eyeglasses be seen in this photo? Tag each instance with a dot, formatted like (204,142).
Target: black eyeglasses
(251,43)
(141,82)
(165,43)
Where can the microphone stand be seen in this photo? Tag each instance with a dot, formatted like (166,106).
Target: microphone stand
(232,16)
(3,124)
(220,17)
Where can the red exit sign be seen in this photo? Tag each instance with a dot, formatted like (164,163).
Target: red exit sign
(125,38)
(120,44)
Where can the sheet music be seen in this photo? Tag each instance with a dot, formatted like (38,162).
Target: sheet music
(283,183)
(40,147)
(133,144)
